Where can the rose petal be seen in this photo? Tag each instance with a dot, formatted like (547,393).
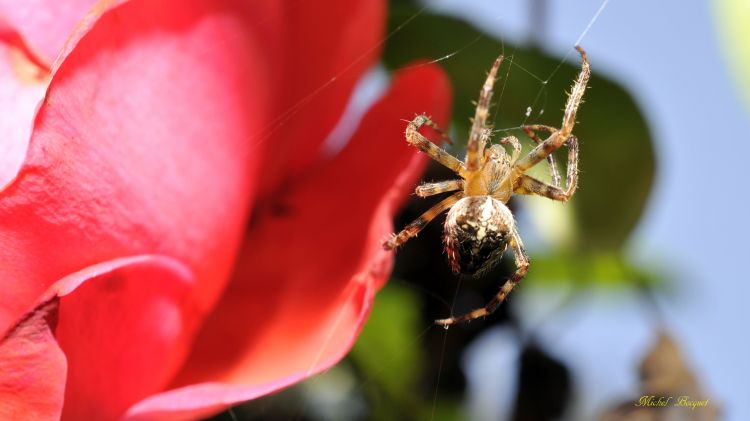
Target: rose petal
(32,368)
(327,345)
(197,401)
(310,264)
(44,24)
(125,327)
(323,56)
(101,310)
(141,146)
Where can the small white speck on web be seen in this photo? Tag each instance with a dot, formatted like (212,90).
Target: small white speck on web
(528,111)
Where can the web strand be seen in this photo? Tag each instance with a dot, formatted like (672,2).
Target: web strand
(440,371)
(275,124)
(570,51)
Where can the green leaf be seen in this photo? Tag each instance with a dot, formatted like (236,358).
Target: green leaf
(604,268)
(389,354)
(616,152)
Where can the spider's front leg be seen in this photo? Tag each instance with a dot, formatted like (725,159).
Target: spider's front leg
(559,137)
(477,136)
(418,224)
(431,189)
(522,266)
(435,152)
(530,185)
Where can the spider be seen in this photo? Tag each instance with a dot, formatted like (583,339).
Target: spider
(479,226)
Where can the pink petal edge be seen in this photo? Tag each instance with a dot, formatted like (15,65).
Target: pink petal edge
(125,327)
(45,25)
(95,313)
(32,368)
(22,86)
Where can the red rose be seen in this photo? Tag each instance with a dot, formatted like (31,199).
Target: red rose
(172,238)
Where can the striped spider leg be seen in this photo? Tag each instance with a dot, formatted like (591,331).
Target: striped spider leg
(530,185)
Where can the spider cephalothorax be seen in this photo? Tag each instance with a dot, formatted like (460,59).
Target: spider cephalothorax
(479,226)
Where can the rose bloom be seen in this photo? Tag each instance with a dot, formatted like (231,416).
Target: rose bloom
(174,238)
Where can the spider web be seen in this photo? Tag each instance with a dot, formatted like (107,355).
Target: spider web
(366,93)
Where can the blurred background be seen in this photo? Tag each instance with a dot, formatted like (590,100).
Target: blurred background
(637,287)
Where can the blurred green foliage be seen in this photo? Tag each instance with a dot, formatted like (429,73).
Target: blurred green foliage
(390,355)
(390,339)
(611,268)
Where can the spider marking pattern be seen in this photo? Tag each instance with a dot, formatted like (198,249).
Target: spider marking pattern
(479,226)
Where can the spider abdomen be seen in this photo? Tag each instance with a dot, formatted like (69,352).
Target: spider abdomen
(477,230)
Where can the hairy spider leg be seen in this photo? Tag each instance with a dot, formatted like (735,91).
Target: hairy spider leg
(418,224)
(522,266)
(530,185)
(515,144)
(477,137)
(414,138)
(531,130)
(559,137)
(434,126)
(431,189)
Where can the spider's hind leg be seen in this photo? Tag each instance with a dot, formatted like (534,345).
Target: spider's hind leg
(522,266)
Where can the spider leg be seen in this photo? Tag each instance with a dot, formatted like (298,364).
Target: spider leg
(431,189)
(415,226)
(559,137)
(522,266)
(435,152)
(515,144)
(477,138)
(531,132)
(531,129)
(530,185)
(434,126)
